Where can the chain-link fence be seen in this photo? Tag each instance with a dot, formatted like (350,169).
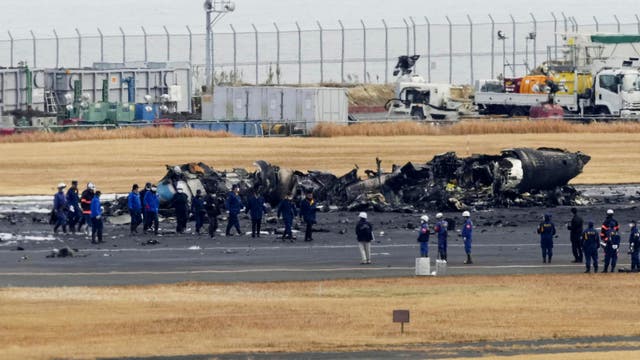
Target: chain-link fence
(451,52)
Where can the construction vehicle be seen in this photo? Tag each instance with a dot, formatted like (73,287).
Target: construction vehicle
(585,84)
(415,97)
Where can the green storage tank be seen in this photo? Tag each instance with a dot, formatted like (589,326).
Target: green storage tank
(121,113)
(95,113)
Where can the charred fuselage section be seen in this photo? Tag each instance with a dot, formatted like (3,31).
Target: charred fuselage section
(516,177)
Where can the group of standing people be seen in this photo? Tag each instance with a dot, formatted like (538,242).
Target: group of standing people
(256,209)
(364,234)
(585,243)
(441,230)
(144,206)
(74,210)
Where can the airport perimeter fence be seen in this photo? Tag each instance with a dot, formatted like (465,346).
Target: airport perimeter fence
(452,52)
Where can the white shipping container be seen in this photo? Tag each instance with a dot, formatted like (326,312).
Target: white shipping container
(13,89)
(278,104)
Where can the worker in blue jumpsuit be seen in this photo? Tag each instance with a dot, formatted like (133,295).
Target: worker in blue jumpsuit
(234,206)
(611,251)
(287,209)
(441,229)
(198,210)
(590,245)
(547,231)
(151,208)
(255,208)
(634,247)
(308,210)
(423,236)
(467,234)
(96,219)
(60,209)
(73,201)
(134,203)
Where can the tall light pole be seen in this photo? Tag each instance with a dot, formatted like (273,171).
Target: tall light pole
(215,10)
(530,36)
(502,37)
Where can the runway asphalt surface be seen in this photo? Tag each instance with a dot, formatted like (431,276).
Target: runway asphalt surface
(504,242)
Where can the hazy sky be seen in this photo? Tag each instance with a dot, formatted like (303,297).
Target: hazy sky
(42,16)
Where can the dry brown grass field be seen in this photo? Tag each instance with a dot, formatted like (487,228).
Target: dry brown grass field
(339,315)
(35,168)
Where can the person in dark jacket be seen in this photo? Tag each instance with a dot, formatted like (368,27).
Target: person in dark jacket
(234,206)
(152,206)
(423,236)
(467,235)
(135,209)
(364,233)
(634,247)
(575,228)
(60,208)
(308,210)
(96,219)
(287,209)
(611,249)
(143,194)
(180,203)
(547,231)
(197,208)
(255,208)
(212,207)
(441,229)
(85,206)
(73,201)
(590,245)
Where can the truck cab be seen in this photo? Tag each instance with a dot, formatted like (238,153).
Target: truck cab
(617,92)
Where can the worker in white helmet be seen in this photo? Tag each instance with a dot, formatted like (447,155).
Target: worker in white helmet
(180,203)
(60,209)
(441,229)
(467,233)
(364,233)
(609,225)
(423,236)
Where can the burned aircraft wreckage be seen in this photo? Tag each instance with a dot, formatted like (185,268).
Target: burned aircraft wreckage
(516,177)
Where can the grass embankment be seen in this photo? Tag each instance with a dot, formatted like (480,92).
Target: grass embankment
(161,132)
(478,127)
(320,316)
(35,168)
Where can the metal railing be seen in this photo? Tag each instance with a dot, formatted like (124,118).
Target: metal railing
(453,52)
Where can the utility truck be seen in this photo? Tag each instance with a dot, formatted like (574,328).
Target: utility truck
(583,83)
(415,97)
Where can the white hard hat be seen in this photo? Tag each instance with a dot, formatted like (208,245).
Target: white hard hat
(91,186)
(610,212)
(179,188)
(363,215)
(466,214)
(439,216)
(424,218)
(62,185)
